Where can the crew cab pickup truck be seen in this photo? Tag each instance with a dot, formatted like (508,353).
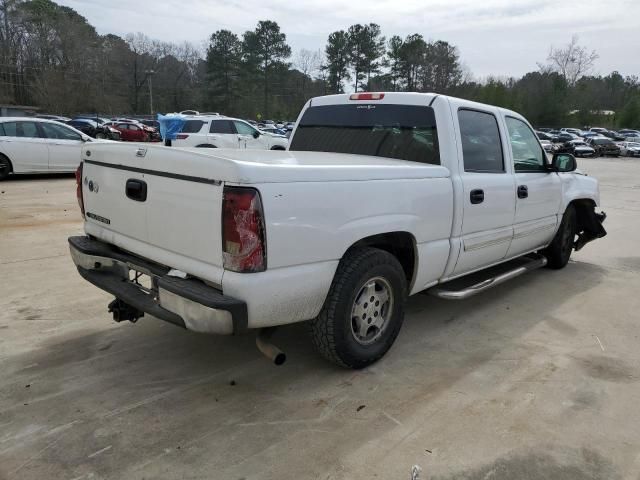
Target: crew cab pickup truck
(379,196)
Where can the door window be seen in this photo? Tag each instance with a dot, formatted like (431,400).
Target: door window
(192,126)
(528,155)
(59,132)
(21,129)
(481,145)
(244,128)
(222,126)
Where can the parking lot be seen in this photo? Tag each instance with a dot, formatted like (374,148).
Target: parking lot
(538,378)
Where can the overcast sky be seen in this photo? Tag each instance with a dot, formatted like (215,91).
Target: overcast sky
(495,37)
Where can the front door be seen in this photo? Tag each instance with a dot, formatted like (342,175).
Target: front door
(538,190)
(250,136)
(489,191)
(64,147)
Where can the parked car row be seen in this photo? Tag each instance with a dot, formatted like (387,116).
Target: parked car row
(126,129)
(593,142)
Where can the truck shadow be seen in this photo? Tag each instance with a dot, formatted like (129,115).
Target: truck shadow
(155,386)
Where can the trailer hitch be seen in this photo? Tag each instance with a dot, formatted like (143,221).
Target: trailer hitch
(123,311)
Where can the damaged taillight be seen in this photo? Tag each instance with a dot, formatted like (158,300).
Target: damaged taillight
(243,236)
(79,189)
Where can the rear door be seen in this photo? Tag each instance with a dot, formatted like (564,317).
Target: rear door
(222,134)
(64,146)
(22,142)
(538,190)
(488,186)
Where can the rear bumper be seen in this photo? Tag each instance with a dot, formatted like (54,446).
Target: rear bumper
(189,303)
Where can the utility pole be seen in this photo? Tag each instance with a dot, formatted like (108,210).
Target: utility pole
(149,73)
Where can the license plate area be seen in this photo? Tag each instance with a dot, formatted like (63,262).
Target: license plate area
(143,280)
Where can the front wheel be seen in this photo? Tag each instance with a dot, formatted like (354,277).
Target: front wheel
(363,311)
(559,251)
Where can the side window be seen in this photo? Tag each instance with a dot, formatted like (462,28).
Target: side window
(221,126)
(59,132)
(2,134)
(28,130)
(244,128)
(135,128)
(481,145)
(11,129)
(192,126)
(528,155)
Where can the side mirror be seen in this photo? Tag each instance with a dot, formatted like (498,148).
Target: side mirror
(563,162)
(256,134)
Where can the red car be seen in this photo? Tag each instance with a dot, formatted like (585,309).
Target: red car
(130,132)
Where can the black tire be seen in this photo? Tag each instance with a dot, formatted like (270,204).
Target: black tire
(559,251)
(333,331)
(5,167)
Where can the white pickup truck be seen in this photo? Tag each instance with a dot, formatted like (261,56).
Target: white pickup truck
(379,196)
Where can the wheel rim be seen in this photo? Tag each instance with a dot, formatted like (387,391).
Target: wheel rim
(371,310)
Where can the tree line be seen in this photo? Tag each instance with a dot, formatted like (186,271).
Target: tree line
(52,58)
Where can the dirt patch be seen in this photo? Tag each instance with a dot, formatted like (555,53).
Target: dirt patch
(583,464)
(608,368)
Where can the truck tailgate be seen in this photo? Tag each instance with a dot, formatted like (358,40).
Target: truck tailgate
(177,223)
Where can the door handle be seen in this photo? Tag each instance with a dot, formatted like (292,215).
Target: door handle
(136,190)
(523,191)
(476,196)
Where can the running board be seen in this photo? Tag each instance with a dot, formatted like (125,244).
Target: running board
(441,292)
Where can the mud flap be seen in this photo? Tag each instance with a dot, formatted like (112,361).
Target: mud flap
(590,227)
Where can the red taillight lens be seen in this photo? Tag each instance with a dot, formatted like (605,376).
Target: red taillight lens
(243,237)
(182,136)
(79,189)
(366,96)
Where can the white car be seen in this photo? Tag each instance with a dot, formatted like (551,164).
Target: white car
(629,149)
(225,132)
(35,145)
(380,196)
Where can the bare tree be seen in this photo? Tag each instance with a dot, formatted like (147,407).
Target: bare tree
(572,61)
(308,63)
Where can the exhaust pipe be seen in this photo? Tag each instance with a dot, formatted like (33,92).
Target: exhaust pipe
(267,348)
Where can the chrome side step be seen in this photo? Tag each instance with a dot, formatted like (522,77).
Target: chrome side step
(441,292)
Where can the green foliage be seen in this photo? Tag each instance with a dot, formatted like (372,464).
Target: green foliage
(337,54)
(630,114)
(223,69)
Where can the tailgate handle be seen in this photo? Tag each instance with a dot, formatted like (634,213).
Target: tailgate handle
(136,190)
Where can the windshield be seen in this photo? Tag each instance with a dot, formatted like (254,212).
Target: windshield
(404,132)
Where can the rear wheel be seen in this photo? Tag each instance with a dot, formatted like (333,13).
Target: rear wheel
(364,309)
(5,167)
(559,251)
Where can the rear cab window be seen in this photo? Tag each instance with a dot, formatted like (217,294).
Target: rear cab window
(403,132)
